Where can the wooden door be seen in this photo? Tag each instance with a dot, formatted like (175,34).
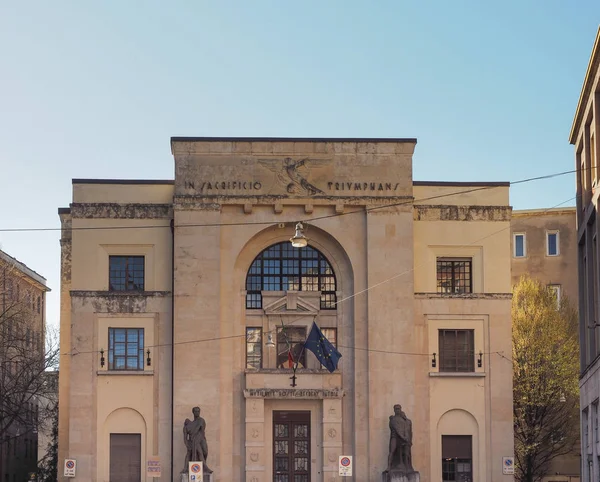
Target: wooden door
(291,446)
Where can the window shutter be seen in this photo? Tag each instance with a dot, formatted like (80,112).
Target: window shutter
(457,447)
(125,457)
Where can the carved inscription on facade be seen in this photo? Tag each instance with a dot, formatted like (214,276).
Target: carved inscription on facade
(218,185)
(311,393)
(363,186)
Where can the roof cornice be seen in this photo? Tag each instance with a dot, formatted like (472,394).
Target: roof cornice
(586,88)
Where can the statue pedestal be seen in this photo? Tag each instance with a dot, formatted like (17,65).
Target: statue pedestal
(207,477)
(400,476)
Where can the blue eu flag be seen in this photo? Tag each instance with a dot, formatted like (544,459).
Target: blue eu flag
(322,348)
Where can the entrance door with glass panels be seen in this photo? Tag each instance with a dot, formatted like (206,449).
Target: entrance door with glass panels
(291,446)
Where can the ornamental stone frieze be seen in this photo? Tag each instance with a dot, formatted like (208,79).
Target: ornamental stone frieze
(120,211)
(424,212)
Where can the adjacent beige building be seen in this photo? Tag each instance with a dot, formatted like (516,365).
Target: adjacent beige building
(174,291)
(585,136)
(544,247)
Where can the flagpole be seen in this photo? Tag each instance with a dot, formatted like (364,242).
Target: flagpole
(290,354)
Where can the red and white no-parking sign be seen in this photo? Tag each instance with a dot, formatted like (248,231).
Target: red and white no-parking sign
(345,465)
(196,472)
(70,467)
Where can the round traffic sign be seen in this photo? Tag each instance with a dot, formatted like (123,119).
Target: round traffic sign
(195,468)
(345,461)
(70,464)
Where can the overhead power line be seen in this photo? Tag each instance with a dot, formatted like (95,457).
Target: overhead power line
(302,317)
(305,220)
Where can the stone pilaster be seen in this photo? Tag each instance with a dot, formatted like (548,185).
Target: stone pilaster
(332,437)
(255,440)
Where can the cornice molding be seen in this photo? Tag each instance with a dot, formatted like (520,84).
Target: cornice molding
(121,211)
(428,212)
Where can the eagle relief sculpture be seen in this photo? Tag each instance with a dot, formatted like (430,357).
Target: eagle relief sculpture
(292,175)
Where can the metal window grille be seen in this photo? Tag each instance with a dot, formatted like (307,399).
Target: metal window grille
(282,267)
(125,348)
(126,273)
(457,350)
(253,347)
(290,340)
(454,275)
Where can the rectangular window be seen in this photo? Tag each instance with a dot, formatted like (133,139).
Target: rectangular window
(595,414)
(594,292)
(457,458)
(290,346)
(254,348)
(584,422)
(552,243)
(454,275)
(457,350)
(557,292)
(331,335)
(125,348)
(519,245)
(126,273)
(594,163)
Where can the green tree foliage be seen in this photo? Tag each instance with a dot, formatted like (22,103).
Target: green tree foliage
(545,378)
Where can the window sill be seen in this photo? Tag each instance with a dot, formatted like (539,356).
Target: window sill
(466,296)
(128,373)
(457,374)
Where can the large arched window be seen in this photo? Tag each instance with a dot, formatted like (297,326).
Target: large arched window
(282,267)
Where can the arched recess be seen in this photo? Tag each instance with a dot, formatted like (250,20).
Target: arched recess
(297,308)
(459,422)
(337,258)
(123,420)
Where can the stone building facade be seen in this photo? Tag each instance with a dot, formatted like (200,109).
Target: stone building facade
(188,293)
(584,136)
(22,329)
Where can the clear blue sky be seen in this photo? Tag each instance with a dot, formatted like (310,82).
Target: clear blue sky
(96,89)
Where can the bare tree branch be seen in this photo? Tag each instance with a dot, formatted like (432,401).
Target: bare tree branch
(28,352)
